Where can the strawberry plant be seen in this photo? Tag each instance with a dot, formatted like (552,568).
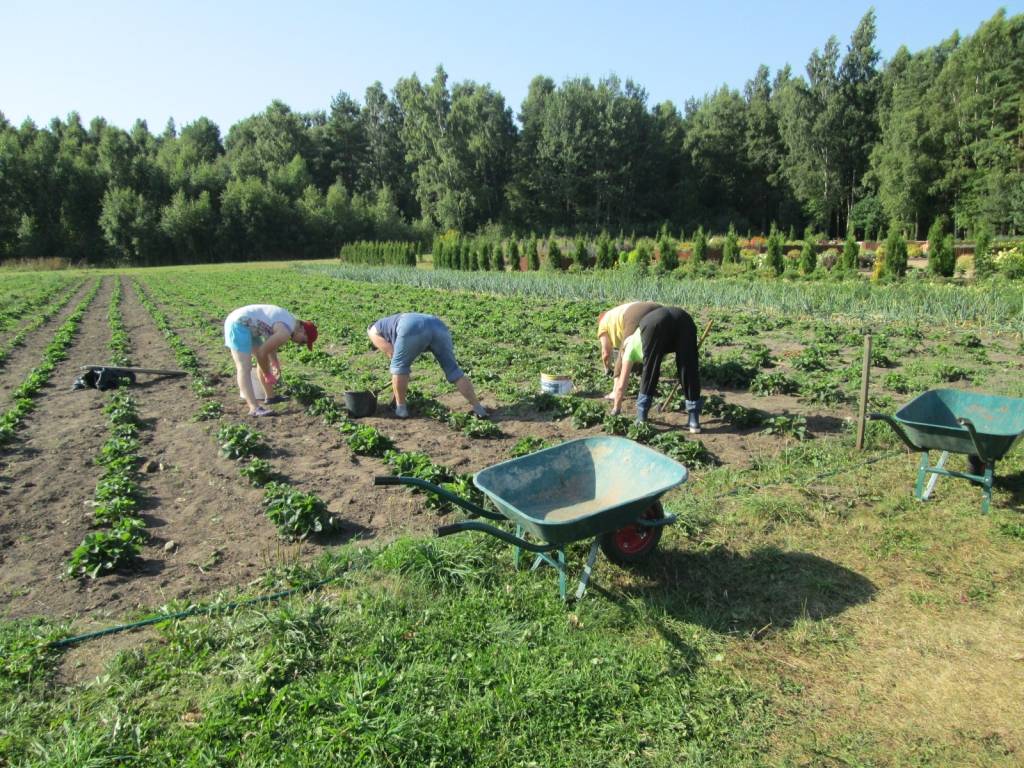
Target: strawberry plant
(776,383)
(527,445)
(209,411)
(787,426)
(239,441)
(690,453)
(105,551)
(587,413)
(296,514)
(257,471)
(365,440)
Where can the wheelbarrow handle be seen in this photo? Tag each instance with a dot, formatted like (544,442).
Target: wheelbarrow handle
(508,538)
(895,428)
(454,498)
(973,432)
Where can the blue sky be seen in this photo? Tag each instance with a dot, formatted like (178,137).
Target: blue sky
(227,60)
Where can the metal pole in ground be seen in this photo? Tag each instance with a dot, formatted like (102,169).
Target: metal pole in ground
(864,378)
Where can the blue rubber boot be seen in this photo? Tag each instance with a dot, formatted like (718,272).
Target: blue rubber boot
(693,408)
(643,405)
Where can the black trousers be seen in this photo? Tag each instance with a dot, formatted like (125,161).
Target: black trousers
(663,331)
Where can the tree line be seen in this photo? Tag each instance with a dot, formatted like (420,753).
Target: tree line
(851,144)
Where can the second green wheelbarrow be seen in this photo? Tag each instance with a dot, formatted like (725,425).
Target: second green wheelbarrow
(985,427)
(601,488)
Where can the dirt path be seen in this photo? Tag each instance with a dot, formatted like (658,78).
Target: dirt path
(27,356)
(46,475)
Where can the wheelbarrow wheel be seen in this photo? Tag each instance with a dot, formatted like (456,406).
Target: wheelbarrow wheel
(634,543)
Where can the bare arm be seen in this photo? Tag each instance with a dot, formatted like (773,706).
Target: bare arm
(606,351)
(266,353)
(380,342)
(620,385)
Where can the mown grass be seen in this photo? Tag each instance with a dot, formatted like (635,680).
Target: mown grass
(797,615)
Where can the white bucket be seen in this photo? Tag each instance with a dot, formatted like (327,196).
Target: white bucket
(555,385)
(257,385)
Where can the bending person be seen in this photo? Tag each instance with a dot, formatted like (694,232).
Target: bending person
(615,326)
(406,336)
(259,330)
(661,332)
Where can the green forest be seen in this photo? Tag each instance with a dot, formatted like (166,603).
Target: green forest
(850,144)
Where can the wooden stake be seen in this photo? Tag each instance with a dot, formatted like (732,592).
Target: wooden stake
(864,379)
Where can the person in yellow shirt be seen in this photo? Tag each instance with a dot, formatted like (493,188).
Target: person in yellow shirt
(615,326)
(664,331)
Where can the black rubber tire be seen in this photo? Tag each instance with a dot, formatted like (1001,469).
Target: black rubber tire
(634,543)
(975,465)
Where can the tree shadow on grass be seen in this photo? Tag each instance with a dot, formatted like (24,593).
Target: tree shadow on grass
(753,594)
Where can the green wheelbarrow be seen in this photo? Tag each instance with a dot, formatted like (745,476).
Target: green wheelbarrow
(601,488)
(985,427)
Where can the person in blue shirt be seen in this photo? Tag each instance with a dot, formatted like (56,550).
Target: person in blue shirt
(407,335)
(664,331)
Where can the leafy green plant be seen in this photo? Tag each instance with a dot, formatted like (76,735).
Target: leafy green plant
(787,426)
(690,453)
(587,413)
(239,441)
(776,383)
(897,382)
(616,424)
(209,411)
(257,471)
(365,440)
(527,445)
(641,431)
(295,513)
(821,391)
(472,425)
(105,551)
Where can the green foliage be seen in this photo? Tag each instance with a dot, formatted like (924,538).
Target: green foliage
(365,440)
(774,383)
(895,254)
(553,257)
(257,471)
(851,253)
(580,257)
(103,552)
(296,514)
(689,453)
(984,265)
(787,426)
(239,441)
(774,259)
(698,252)
(588,413)
(527,445)
(731,248)
(808,258)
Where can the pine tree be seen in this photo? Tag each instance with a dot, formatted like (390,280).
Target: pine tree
(808,258)
(499,257)
(731,249)
(533,254)
(579,253)
(895,253)
(983,264)
(554,254)
(668,256)
(700,246)
(851,252)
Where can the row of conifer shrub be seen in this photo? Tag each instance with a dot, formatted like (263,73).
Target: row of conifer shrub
(376,252)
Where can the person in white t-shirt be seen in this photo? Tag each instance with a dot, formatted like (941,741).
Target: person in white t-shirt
(259,330)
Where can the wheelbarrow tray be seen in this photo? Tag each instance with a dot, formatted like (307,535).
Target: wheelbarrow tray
(580,489)
(931,422)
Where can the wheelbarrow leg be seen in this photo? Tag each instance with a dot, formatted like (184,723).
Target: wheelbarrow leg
(558,562)
(986,500)
(587,569)
(518,551)
(935,477)
(922,473)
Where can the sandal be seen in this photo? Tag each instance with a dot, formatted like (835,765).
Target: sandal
(261,411)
